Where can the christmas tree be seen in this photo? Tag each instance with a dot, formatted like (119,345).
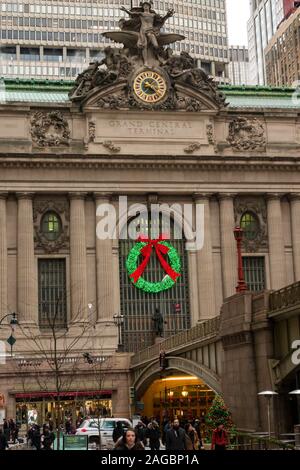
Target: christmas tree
(219,414)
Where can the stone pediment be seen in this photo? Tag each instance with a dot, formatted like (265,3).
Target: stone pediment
(181,97)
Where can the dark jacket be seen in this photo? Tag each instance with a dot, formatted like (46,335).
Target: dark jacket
(141,431)
(153,434)
(120,445)
(175,439)
(3,442)
(117,432)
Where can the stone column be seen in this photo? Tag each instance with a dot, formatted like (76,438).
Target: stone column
(228,244)
(105,277)
(193,287)
(78,262)
(205,268)
(27,269)
(276,242)
(3,255)
(295,220)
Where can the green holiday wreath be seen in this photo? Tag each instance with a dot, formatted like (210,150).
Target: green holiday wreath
(144,247)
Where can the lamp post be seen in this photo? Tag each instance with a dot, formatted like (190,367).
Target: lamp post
(268,394)
(118,321)
(13,321)
(238,235)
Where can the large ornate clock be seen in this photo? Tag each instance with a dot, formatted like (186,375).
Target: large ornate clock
(150,86)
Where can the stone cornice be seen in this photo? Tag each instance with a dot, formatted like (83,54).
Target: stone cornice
(209,163)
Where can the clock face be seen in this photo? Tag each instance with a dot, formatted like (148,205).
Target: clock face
(149,86)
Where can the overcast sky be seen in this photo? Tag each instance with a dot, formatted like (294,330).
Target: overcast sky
(238,13)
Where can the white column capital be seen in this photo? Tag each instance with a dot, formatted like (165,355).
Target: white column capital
(77,195)
(25,195)
(3,195)
(294,197)
(202,196)
(225,196)
(274,196)
(102,196)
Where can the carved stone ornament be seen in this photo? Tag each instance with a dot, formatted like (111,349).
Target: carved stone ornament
(192,148)
(40,208)
(247,134)
(49,129)
(145,74)
(92,131)
(111,146)
(256,206)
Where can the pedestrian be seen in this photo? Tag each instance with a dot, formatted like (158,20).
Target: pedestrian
(192,434)
(129,442)
(12,427)
(16,434)
(141,431)
(6,429)
(36,437)
(47,439)
(197,426)
(3,441)
(176,437)
(166,426)
(118,431)
(153,434)
(68,426)
(219,438)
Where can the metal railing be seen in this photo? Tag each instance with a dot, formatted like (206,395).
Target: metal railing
(284,298)
(256,441)
(201,332)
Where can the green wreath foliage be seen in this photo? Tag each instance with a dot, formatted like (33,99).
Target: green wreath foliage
(152,287)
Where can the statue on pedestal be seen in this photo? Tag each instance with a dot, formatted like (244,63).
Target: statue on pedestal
(143,33)
(158,323)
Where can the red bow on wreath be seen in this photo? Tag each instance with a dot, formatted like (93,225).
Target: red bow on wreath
(146,252)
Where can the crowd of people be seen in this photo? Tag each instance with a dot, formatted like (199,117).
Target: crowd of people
(173,436)
(8,433)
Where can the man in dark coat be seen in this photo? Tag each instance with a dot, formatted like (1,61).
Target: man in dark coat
(3,441)
(153,433)
(6,429)
(118,431)
(176,437)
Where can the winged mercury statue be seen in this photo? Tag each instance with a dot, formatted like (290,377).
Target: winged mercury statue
(143,33)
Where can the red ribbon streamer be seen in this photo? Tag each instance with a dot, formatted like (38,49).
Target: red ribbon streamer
(146,252)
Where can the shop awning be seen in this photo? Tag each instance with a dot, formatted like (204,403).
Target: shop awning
(63,394)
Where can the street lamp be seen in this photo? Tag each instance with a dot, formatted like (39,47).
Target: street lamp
(268,394)
(13,321)
(238,235)
(118,321)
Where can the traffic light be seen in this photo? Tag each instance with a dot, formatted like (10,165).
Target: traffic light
(132,395)
(177,308)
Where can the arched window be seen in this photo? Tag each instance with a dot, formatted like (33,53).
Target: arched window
(51,226)
(250,225)
(138,307)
